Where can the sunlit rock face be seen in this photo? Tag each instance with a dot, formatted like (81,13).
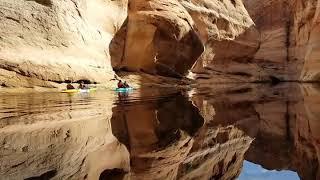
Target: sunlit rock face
(50,40)
(305,40)
(159,38)
(59,142)
(230,39)
(282,119)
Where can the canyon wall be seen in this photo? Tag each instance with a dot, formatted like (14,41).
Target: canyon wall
(305,41)
(170,38)
(212,41)
(49,40)
(282,44)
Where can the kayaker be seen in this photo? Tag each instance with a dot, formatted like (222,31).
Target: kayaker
(81,85)
(69,86)
(125,84)
(120,84)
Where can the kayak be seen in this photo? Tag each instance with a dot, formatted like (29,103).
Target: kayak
(79,90)
(124,89)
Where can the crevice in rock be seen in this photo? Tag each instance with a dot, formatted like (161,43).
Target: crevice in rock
(43,2)
(44,176)
(239,91)
(241,74)
(112,174)
(274,80)
(13,19)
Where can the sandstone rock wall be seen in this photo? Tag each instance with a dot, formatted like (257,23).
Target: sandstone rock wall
(305,40)
(57,40)
(159,38)
(212,41)
(167,37)
(229,35)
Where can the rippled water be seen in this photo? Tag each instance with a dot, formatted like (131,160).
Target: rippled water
(204,133)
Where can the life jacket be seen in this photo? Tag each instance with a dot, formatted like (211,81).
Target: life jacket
(120,85)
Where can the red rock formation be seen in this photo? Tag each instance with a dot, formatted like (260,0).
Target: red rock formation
(305,40)
(159,38)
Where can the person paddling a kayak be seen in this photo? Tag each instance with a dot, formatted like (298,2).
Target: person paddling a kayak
(120,84)
(69,86)
(82,85)
(126,85)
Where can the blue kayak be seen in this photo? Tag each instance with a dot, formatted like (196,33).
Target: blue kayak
(124,89)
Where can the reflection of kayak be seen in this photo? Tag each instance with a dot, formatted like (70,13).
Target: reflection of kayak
(79,90)
(124,89)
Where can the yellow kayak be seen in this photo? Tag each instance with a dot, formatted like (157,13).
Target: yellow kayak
(79,90)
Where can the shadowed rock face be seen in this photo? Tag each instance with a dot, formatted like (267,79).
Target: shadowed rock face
(305,40)
(283,120)
(229,36)
(287,43)
(171,34)
(159,38)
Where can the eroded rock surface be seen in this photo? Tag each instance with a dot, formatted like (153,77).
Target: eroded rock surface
(51,40)
(229,35)
(305,40)
(159,38)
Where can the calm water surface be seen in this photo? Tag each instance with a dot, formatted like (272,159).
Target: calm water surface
(225,132)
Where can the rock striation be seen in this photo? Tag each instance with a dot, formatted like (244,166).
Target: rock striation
(175,37)
(304,41)
(159,38)
(212,41)
(49,40)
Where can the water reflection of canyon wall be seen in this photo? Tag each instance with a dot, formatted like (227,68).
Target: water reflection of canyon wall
(45,136)
(284,120)
(170,139)
(161,135)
